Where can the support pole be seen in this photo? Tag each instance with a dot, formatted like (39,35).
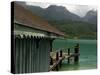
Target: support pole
(76,51)
(68,51)
(51,61)
(57,68)
(57,58)
(68,55)
(60,64)
(61,53)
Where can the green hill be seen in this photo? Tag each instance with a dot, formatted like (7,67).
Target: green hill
(76,29)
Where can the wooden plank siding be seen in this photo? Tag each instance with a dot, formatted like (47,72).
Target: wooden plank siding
(31,54)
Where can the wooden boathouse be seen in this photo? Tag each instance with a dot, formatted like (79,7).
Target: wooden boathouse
(31,43)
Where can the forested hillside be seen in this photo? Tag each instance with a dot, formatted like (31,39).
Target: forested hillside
(76,29)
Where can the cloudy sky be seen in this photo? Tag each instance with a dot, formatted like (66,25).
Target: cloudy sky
(80,10)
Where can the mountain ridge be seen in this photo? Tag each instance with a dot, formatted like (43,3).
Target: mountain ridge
(54,12)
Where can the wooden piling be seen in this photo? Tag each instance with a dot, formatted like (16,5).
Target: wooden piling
(57,56)
(68,54)
(76,51)
(57,67)
(57,59)
(61,53)
(51,61)
(68,51)
(60,64)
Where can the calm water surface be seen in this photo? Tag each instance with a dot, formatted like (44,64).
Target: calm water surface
(88,53)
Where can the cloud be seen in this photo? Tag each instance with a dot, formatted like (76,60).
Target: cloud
(43,5)
(80,10)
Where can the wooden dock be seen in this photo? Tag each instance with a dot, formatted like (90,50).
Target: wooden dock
(57,57)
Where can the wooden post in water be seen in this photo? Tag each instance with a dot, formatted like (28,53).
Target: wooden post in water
(68,54)
(57,58)
(60,64)
(60,53)
(76,51)
(51,61)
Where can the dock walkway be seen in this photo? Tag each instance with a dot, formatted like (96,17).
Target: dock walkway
(58,56)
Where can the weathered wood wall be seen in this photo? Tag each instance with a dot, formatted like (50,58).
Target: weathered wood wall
(31,54)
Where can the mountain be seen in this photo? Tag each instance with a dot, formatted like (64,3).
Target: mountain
(54,12)
(91,17)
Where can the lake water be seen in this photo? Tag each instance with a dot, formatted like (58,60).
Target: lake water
(88,53)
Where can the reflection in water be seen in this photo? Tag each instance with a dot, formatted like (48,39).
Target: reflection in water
(71,66)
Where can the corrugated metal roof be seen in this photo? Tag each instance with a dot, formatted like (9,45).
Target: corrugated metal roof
(27,18)
(33,34)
